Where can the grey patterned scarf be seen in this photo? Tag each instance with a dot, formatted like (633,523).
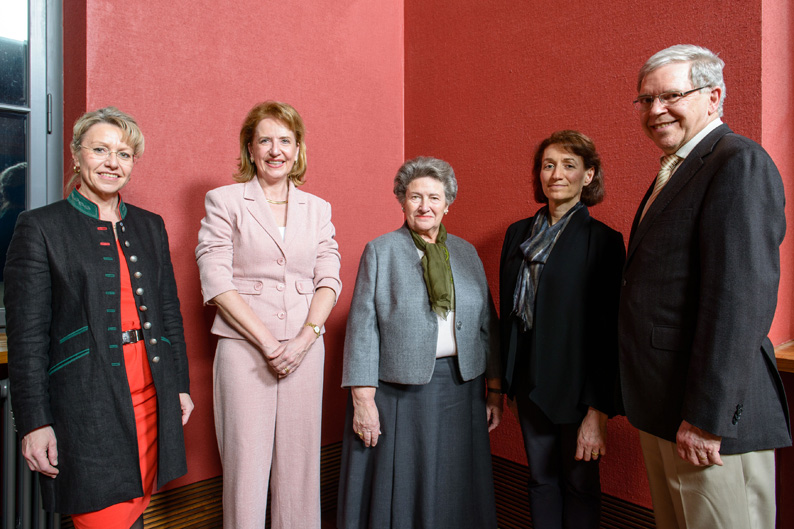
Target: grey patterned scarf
(536,251)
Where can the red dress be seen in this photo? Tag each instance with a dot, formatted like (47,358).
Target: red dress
(144,400)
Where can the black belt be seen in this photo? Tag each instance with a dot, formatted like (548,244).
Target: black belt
(132,336)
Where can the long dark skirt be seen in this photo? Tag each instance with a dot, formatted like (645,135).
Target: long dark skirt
(431,467)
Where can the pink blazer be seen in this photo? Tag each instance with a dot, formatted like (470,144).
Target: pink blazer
(240,248)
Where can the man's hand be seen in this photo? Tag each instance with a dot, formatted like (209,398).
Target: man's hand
(697,446)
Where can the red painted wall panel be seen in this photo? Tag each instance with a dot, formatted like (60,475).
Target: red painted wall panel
(778,137)
(189,72)
(486,81)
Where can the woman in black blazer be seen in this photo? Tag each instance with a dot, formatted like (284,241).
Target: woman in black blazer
(97,362)
(559,285)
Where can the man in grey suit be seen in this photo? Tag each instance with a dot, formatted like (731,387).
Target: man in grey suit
(698,372)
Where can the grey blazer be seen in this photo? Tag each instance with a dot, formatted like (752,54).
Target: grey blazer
(391,330)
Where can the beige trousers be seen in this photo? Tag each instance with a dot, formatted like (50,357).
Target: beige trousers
(268,427)
(740,494)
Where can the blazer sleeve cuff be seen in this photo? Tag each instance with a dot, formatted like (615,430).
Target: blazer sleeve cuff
(332,283)
(351,382)
(27,422)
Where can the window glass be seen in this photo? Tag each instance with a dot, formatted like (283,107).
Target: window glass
(14,53)
(13,179)
(31,116)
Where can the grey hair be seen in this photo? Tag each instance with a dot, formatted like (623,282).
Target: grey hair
(705,67)
(426,166)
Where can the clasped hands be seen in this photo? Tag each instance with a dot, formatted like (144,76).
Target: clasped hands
(285,357)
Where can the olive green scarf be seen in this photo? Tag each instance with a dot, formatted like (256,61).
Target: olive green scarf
(438,273)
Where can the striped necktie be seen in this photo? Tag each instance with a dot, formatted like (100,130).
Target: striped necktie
(669,163)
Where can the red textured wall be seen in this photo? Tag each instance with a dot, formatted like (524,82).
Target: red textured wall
(188,71)
(486,81)
(777,136)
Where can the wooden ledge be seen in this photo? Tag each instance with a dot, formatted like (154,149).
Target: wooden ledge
(785,357)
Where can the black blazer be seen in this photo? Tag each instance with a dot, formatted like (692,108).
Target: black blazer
(568,361)
(66,363)
(698,297)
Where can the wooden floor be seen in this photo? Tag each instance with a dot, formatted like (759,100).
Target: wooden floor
(329,520)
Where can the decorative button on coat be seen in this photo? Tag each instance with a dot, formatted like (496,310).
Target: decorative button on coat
(139,291)
(133,258)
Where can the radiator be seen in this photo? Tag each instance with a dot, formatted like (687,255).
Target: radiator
(20,488)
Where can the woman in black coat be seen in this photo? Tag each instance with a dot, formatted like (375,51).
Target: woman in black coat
(97,361)
(559,284)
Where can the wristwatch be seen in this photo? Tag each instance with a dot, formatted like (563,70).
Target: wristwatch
(315,328)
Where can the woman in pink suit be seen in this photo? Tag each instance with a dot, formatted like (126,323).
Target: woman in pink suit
(269,262)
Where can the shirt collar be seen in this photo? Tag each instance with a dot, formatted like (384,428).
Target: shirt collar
(86,207)
(684,151)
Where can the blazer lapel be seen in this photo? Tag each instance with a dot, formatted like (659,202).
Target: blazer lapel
(407,243)
(297,215)
(686,171)
(257,206)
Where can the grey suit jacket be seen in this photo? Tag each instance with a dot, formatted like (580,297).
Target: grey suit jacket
(698,297)
(391,330)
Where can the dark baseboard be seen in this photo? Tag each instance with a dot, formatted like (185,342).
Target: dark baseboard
(199,505)
(512,504)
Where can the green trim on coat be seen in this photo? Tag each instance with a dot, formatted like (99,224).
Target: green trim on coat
(66,361)
(86,207)
(73,334)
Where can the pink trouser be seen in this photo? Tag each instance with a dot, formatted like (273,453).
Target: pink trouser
(268,426)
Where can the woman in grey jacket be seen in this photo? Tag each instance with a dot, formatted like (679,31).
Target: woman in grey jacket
(421,339)
(97,362)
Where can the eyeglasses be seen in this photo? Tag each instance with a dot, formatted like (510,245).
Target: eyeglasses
(666,99)
(103,153)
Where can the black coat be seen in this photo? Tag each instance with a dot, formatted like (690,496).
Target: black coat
(698,297)
(66,364)
(568,360)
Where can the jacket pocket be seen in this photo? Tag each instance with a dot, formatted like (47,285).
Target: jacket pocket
(675,215)
(68,360)
(72,334)
(305,287)
(251,287)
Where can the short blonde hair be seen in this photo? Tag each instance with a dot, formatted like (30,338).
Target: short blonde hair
(131,133)
(284,113)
